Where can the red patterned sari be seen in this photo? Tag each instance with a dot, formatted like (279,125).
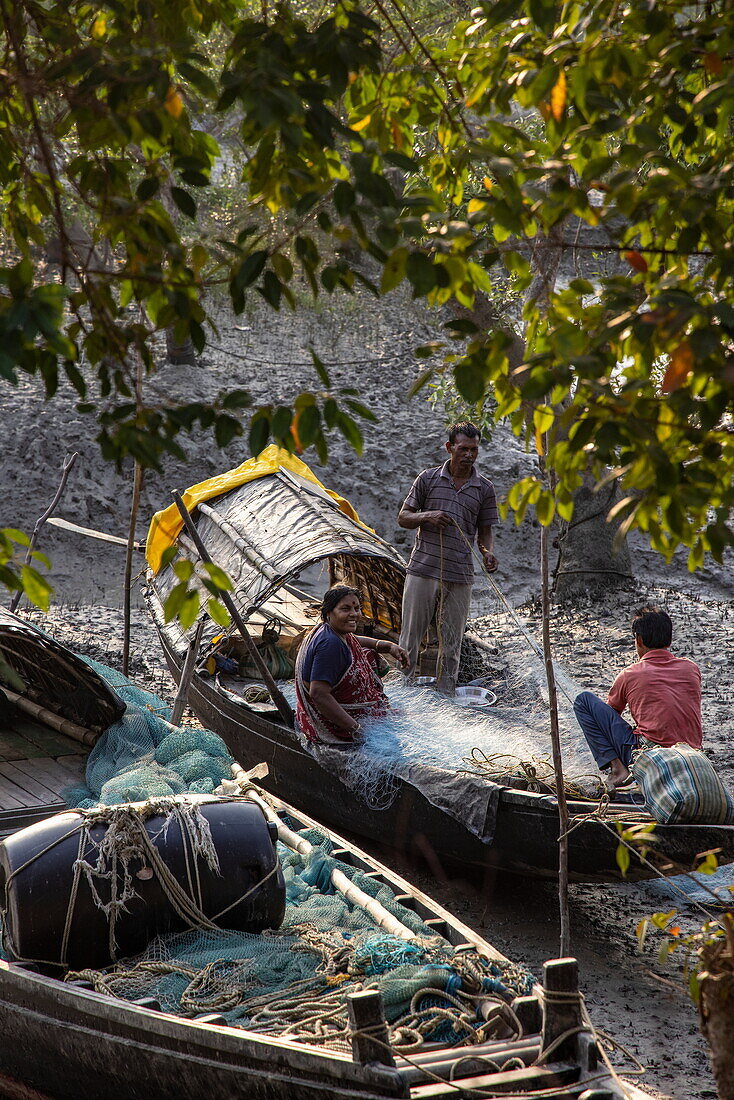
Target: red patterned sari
(359,691)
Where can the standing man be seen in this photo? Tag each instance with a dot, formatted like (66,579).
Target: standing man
(663,694)
(451,506)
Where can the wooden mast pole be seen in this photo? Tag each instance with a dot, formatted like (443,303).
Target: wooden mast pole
(555,737)
(137,485)
(282,704)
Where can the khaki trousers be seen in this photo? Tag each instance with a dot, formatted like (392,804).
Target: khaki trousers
(421,597)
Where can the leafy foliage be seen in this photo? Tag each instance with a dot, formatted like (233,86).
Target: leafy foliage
(17,573)
(449,161)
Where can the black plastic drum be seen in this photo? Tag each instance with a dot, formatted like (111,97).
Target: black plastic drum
(39,912)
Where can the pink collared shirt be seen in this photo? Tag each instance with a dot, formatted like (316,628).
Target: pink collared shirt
(663,694)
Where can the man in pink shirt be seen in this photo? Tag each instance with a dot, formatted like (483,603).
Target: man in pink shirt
(663,694)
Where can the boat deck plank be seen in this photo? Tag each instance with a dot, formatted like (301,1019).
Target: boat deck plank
(48,741)
(36,765)
(54,775)
(15,747)
(29,784)
(13,797)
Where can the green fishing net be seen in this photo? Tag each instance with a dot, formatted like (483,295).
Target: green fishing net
(294,980)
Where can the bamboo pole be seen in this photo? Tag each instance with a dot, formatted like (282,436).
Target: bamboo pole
(186,674)
(65,471)
(129,551)
(565,938)
(51,719)
(137,484)
(339,880)
(282,704)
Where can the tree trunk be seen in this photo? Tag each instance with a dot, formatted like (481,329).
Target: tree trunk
(588,560)
(179,352)
(716,1007)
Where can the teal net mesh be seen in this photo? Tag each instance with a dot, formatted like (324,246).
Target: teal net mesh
(293,981)
(143,756)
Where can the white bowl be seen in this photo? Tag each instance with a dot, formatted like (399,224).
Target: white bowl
(469,696)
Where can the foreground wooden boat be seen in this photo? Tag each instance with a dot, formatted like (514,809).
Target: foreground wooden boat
(64,1040)
(267,524)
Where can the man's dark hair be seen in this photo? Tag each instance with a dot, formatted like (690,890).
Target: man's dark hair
(335,595)
(464,428)
(653,627)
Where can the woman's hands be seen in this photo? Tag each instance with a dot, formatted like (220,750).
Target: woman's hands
(398,653)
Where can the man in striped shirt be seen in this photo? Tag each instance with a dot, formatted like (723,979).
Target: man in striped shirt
(451,506)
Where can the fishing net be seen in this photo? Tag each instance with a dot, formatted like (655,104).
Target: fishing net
(143,756)
(293,981)
(458,754)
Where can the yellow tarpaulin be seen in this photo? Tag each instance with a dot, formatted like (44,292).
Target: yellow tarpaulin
(166,525)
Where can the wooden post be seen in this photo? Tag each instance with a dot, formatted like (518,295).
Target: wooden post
(370,1038)
(137,484)
(284,708)
(530,1014)
(186,674)
(65,471)
(562,1008)
(565,919)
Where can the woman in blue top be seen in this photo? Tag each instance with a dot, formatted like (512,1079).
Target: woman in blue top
(336,681)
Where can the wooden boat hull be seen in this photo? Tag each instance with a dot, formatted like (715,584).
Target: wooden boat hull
(94,1046)
(526,833)
(59,1041)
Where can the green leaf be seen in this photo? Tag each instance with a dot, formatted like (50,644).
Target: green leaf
(545,509)
(422,274)
(168,555)
(218,612)
(189,610)
(183,569)
(11,678)
(308,425)
(36,587)
(184,201)
(225,430)
(147,188)
(394,270)
(250,269)
(281,422)
(421,381)
(320,369)
(623,859)
(350,431)
(174,601)
(218,576)
(471,378)
(361,410)
(259,434)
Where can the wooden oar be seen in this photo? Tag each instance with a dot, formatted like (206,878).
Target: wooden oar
(90,532)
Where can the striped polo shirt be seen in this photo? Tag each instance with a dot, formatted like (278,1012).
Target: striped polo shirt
(444,553)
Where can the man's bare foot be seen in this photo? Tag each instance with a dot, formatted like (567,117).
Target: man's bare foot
(617,774)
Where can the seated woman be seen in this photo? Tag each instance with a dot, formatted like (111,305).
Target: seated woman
(336,681)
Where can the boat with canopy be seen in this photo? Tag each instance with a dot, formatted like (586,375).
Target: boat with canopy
(460,786)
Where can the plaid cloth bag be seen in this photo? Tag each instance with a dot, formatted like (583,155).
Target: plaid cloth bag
(680,785)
